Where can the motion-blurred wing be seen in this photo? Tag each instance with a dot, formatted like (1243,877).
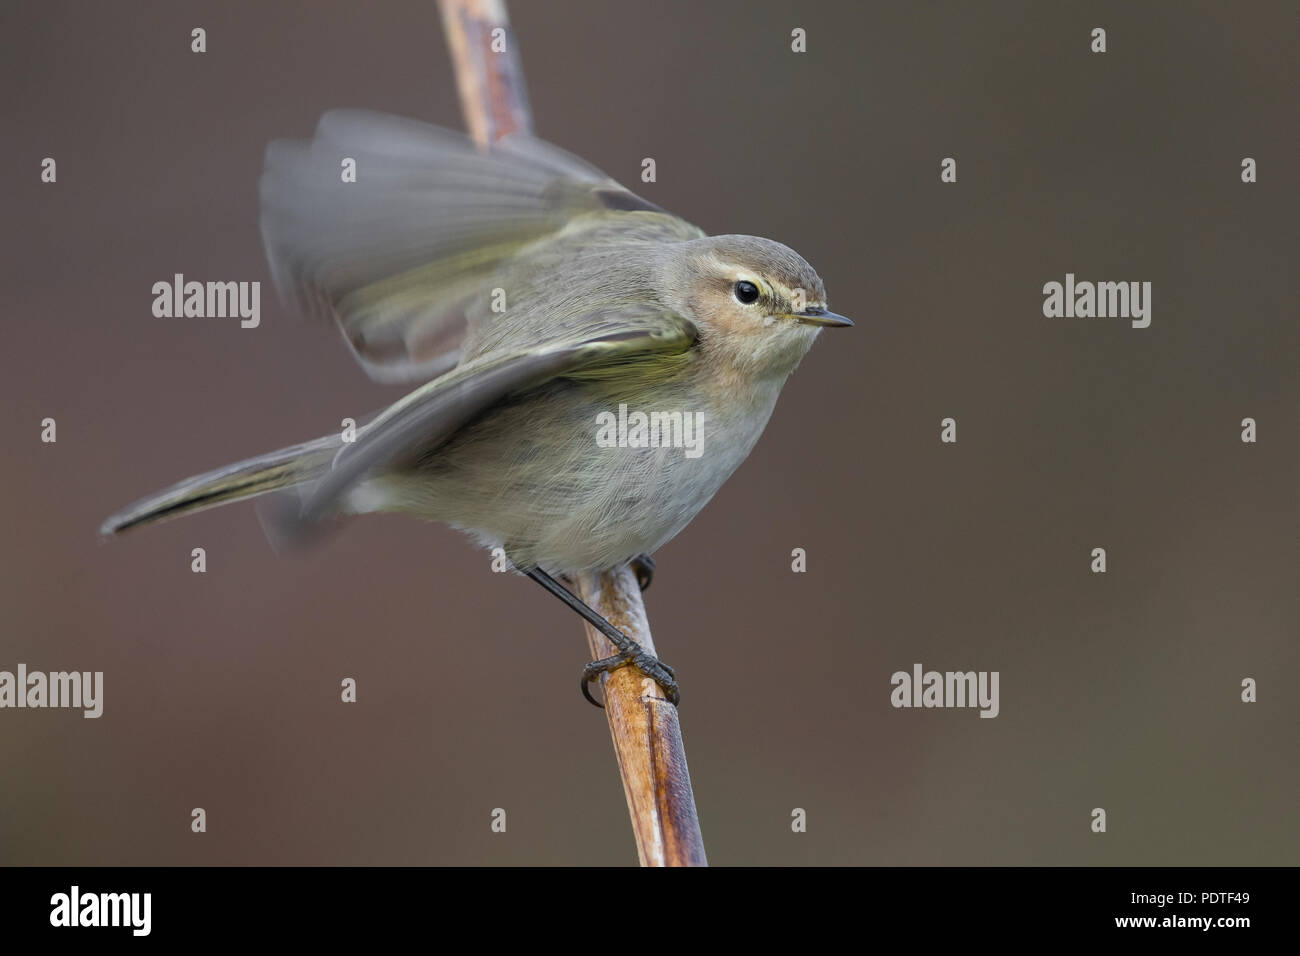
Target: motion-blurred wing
(396,256)
(611,342)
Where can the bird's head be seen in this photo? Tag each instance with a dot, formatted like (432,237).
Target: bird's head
(758,304)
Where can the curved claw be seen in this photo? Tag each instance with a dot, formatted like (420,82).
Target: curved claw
(660,673)
(586,692)
(593,671)
(671,692)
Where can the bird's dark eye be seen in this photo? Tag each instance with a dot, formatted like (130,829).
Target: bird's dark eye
(746,292)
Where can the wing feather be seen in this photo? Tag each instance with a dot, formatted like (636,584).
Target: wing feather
(397,257)
(433,413)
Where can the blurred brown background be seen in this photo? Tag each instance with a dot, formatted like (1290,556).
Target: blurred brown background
(1118,691)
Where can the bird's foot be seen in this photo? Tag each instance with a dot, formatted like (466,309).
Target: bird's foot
(649,665)
(644,567)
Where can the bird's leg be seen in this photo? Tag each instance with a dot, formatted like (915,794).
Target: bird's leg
(629,651)
(643,566)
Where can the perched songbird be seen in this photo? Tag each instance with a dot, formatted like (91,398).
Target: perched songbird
(535,299)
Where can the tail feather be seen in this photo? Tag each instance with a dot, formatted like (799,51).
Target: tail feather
(245,479)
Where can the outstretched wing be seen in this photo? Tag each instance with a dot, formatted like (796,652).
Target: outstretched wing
(432,414)
(395,256)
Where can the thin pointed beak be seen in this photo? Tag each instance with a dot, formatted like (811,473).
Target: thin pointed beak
(824,318)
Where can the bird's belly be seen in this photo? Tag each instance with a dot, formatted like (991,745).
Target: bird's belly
(578,492)
(641,500)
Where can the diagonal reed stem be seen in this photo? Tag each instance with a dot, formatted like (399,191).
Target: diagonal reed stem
(647,737)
